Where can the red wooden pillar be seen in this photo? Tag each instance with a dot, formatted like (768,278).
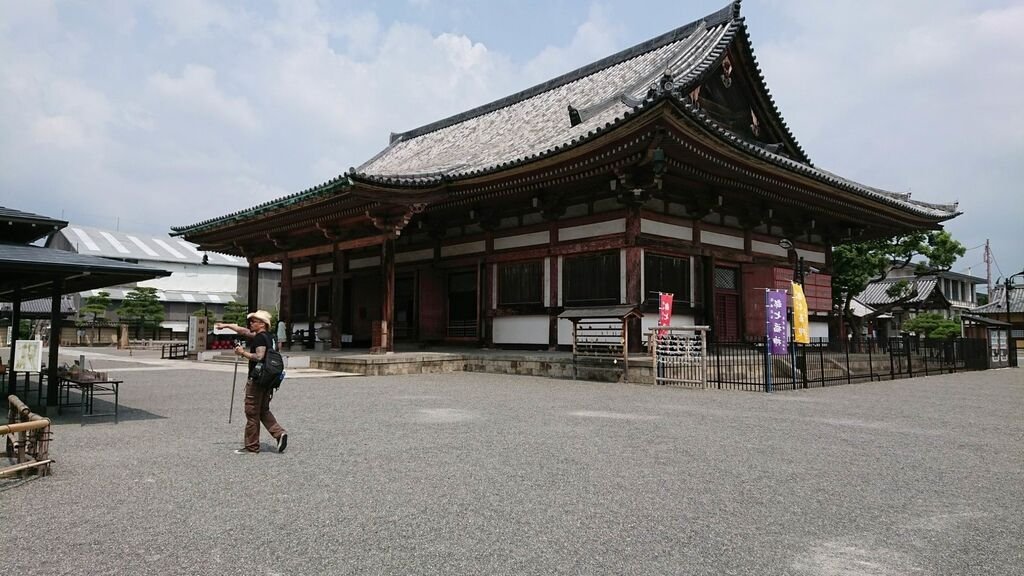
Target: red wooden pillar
(387,341)
(338,311)
(555,289)
(634,273)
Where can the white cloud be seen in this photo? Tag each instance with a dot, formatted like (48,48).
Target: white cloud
(596,38)
(197,90)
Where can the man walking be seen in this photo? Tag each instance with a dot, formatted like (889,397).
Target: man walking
(257,398)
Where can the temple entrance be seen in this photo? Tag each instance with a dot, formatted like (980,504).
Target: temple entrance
(727,305)
(462,304)
(406,311)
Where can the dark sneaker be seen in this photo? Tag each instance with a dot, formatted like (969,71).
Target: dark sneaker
(244,451)
(282,442)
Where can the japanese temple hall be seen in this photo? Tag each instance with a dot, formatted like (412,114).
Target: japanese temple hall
(664,168)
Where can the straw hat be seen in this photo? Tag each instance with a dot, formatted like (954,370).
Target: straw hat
(261,315)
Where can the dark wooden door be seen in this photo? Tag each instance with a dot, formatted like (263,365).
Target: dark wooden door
(727,317)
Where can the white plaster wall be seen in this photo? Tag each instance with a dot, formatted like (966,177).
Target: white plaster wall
(414,255)
(667,230)
(364,262)
(564,332)
(617,226)
(768,248)
(812,255)
(721,239)
(522,240)
(521,330)
(818,329)
(460,249)
(650,321)
(195,278)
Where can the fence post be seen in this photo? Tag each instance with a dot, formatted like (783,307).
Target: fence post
(871,363)
(821,364)
(849,378)
(767,364)
(718,364)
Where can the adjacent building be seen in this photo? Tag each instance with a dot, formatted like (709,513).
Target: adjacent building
(197,280)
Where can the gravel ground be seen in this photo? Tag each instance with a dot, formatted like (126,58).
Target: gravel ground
(485,474)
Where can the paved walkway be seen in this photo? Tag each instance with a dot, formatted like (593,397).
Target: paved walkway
(473,473)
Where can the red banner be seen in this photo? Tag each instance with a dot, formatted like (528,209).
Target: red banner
(664,311)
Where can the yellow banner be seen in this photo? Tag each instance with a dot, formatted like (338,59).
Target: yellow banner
(801,331)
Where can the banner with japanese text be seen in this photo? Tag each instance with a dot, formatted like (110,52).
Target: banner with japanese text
(801,329)
(776,325)
(664,311)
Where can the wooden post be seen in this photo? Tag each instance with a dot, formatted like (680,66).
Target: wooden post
(338,312)
(285,313)
(634,273)
(15,329)
(52,388)
(388,304)
(555,290)
(254,285)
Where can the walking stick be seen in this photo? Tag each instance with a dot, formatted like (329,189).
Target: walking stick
(234,380)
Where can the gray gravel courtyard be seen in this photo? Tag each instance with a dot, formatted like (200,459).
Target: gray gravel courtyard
(471,473)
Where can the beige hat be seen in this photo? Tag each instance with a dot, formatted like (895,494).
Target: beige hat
(261,315)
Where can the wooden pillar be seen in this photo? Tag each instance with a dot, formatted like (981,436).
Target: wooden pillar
(553,311)
(708,264)
(338,304)
(388,303)
(285,314)
(52,389)
(634,273)
(15,329)
(488,282)
(254,286)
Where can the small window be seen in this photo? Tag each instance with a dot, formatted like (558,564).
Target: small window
(300,303)
(725,278)
(323,299)
(667,274)
(520,283)
(591,280)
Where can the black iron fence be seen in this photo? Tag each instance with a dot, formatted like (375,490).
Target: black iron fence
(745,365)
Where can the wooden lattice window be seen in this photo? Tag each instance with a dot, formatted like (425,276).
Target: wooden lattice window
(520,283)
(591,280)
(300,302)
(667,274)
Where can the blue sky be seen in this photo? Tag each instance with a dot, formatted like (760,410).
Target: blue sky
(145,115)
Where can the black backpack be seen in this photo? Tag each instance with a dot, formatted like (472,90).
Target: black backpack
(270,371)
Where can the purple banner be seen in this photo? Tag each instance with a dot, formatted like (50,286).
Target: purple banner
(776,325)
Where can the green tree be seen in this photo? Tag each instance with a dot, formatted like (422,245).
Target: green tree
(141,307)
(932,326)
(205,312)
(857,264)
(94,308)
(235,313)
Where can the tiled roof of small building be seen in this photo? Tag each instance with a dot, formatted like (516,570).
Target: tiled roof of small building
(876,293)
(997,301)
(144,247)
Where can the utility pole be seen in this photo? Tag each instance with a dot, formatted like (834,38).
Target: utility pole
(988,266)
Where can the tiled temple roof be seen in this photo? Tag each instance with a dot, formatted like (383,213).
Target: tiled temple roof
(580,106)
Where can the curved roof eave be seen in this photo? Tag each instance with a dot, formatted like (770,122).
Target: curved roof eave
(335,185)
(935,212)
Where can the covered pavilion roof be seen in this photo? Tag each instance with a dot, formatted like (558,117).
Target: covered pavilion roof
(34,270)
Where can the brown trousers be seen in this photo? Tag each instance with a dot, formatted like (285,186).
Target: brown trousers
(257,410)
